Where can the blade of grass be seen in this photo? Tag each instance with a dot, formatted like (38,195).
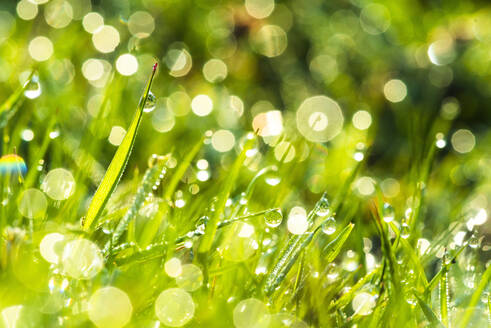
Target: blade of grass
(475,298)
(428,312)
(152,176)
(118,163)
(212,225)
(10,106)
(444,293)
(334,247)
(181,169)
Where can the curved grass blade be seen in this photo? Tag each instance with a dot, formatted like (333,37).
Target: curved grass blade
(475,297)
(10,106)
(153,176)
(428,312)
(211,227)
(293,249)
(118,163)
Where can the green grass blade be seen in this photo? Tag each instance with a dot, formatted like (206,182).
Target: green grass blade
(428,312)
(152,176)
(475,298)
(118,163)
(444,295)
(334,247)
(212,225)
(181,169)
(10,106)
(346,298)
(433,283)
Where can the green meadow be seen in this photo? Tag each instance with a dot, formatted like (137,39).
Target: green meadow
(245,163)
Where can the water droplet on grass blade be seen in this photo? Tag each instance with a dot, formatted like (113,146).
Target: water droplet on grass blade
(388,212)
(33,88)
(323,207)
(174,307)
(273,218)
(474,242)
(329,226)
(150,103)
(405,230)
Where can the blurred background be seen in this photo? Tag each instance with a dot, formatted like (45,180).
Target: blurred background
(324,83)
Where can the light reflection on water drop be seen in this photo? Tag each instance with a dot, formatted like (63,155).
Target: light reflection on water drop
(323,207)
(388,212)
(150,103)
(33,88)
(329,226)
(273,218)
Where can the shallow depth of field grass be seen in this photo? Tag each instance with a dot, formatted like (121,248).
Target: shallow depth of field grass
(169,163)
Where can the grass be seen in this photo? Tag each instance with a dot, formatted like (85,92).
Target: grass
(241,237)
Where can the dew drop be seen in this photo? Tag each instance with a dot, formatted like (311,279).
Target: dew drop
(323,207)
(150,103)
(404,230)
(474,242)
(272,180)
(33,88)
(388,212)
(329,226)
(174,307)
(273,218)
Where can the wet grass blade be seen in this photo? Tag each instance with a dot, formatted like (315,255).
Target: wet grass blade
(444,294)
(212,225)
(332,249)
(471,307)
(118,163)
(428,312)
(10,106)
(152,177)
(434,282)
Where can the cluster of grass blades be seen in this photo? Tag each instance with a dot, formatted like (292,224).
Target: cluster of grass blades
(148,253)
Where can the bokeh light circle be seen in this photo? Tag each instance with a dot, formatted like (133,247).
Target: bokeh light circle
(319,119)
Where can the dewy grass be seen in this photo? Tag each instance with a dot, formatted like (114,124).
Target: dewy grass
(221,222)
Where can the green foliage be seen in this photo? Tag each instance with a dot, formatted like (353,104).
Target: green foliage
(371,114)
